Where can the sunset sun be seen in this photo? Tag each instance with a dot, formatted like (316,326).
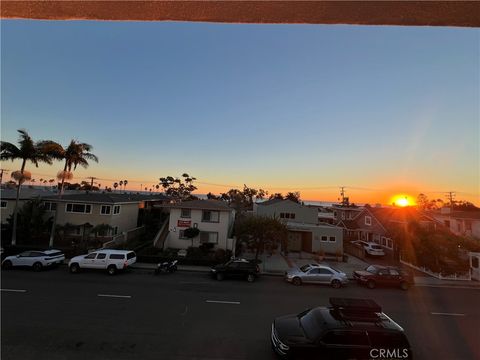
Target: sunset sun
(402,201)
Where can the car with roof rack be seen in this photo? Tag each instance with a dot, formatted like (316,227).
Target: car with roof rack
(35,259)
(347,329)
(379,275)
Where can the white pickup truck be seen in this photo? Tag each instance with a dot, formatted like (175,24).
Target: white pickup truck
(104,259)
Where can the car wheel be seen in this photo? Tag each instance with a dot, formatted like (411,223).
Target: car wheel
(251,278)
(404,285)
(74,268)
(112,269)
(336,284)
(220,276)
(7,265)
(297,281)
(371,284)
(37,266)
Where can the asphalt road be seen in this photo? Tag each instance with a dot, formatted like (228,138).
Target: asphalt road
(56,315)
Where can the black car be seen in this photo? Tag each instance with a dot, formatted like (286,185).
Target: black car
(348,329)
(238,269)
(378,275)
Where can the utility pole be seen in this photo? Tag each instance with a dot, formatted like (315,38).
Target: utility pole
(91,181)
(344,198)
(451,197)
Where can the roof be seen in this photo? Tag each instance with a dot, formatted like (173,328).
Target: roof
(271,202)
(26,193)
(107,198)
(215,205)
(472,215)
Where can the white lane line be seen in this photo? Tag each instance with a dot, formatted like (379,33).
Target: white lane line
(115,296)
(448,314)
(14,290)
(223,302)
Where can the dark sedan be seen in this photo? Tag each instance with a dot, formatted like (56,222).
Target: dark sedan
(378,275)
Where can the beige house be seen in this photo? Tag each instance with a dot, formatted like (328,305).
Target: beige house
(213,218)
(89,209)
(305,231)
(8,197)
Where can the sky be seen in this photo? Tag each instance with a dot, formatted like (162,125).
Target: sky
(380,110)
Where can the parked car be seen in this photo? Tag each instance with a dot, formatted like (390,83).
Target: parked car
(378,275)
(239,269)
(348,329)
(370,248)
(316,274)
(104,259)
(35,259)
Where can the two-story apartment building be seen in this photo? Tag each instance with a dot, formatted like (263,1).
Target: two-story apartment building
(305,232)
(214,219)
(84,211)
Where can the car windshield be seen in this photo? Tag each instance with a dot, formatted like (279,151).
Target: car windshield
(310,324)
(305,268)
(376,247)
(371,269)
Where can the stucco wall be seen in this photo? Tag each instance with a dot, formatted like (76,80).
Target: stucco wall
(222,228)
(303,214)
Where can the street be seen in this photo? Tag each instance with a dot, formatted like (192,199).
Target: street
(187,315)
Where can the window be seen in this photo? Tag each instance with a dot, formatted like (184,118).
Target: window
(324,238)
(4,204)
(116,256)
(324,272)
(332,239)
(368,220)
(468,225)
(282,215)
(131,255)
(49,206)
(335,214)
(186,213)
(115,230)
(384,241)
(208,237)
(181,234)
(390,243)
(79,208)
(105,210)
(91,256)
(101,256)
(394,272)
(343,215)
(116,209)
(210,216)
(475,262)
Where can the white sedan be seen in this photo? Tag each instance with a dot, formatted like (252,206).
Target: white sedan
(37,260)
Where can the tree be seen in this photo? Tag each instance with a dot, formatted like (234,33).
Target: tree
(465,206)
(293,196)
(276,196)
(191,233)
(28,151)
(179,189)
(125,182)
(31,223)
(211,196)
(74,154)
(260,231)
(115,185)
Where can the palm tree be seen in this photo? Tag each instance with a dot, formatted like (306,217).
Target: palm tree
(28,151)
(74,154)
(125,182)
(120,184)
(115,185)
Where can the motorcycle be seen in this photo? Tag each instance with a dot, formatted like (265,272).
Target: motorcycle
(166,267)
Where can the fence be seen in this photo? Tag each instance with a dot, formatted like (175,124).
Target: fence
(461,277)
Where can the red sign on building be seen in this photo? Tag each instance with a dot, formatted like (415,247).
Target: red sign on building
(184,223)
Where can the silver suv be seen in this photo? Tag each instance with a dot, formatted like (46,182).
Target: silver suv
(104,259)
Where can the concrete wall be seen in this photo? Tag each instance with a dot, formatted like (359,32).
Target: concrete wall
(222,228)
(7,211)
(303,214)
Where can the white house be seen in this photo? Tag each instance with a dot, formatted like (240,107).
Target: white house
(213,218)
(305,231)
(462,223)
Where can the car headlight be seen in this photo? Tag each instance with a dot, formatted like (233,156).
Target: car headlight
(213,270)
